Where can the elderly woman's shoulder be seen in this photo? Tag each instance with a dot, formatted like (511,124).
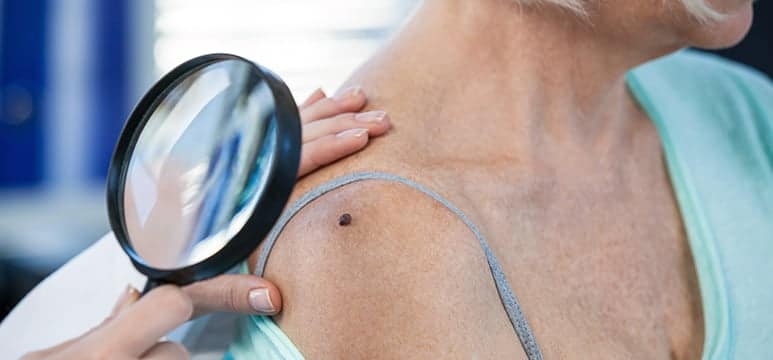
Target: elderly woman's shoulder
(377,269)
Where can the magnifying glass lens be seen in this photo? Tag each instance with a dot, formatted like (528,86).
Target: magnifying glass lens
(203,168)
(199,165)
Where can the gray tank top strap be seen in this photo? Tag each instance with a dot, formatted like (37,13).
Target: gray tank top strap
(506,294)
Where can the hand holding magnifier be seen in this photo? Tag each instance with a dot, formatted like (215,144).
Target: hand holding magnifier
(204,166)
(158,150)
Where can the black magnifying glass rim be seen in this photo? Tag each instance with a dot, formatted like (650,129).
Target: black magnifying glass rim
(279,184)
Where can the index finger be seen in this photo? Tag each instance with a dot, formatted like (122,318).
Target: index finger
(138,328)
(314,97)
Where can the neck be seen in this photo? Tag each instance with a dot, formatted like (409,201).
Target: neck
(545,67)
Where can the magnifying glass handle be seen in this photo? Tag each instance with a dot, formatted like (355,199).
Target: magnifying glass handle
(150,285)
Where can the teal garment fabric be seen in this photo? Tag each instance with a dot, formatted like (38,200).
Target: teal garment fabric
(258,337)
(715,120)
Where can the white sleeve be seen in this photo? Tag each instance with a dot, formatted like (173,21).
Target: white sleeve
(69,302)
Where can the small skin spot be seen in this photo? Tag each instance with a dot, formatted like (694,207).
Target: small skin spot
(345,219)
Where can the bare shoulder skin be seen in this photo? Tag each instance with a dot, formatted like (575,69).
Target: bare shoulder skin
(405,279)
(521,117)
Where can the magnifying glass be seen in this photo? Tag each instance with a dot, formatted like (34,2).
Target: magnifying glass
(203,168)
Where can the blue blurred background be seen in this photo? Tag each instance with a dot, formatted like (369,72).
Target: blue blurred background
(70,71)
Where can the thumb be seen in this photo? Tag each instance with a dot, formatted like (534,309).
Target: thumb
(246,294)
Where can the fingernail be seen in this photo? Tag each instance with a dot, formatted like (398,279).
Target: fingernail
(352,92)
(261,301)
(352,133)
(371,116)
(129,295)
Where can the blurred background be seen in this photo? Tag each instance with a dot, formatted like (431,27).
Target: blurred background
(71,70)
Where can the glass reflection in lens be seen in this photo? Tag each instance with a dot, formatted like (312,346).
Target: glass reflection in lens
(199,165)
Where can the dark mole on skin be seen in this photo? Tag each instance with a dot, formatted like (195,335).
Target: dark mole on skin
(345,219)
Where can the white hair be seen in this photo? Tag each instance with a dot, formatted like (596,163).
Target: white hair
(696,8)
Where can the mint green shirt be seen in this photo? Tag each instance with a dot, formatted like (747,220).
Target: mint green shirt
(715,120)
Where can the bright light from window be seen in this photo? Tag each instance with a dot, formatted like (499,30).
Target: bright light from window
(308,43)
